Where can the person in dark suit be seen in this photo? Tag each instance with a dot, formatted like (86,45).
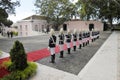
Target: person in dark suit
(8,34)
(61,42)
(11,33)
(68,40)
(80,39)
(74,39)
(52,45)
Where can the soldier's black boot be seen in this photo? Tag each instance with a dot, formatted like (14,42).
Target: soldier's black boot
(68,50)
(53,58)
(88,42)
(83,44)
(80,46)
(61,54)
(92,40)
(74,48)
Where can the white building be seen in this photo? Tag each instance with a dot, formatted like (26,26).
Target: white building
(83,25)
(35,24)
(32,25)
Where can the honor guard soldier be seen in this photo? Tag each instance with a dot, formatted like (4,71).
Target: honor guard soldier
(93,36)
(87,36)
(61,42)
(84,38)
(52,44)
(68,40)
(74,39)
(80,40)
(98,34)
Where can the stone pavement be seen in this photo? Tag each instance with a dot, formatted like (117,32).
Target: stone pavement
(4,55)
(74,62)
(102,66)
(118,57)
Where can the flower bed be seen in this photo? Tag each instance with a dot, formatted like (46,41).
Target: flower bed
(3,72)
(18,74)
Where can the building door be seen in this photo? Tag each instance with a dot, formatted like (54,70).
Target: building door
(91,27)
(65,27)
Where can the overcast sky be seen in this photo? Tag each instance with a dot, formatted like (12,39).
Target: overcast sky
(26,9)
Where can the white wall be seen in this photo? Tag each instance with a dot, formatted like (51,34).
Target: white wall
(84,25)
(30,28)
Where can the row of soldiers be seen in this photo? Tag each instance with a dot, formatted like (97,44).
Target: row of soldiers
(83,39)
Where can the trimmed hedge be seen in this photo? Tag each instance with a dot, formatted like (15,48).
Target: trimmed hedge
(18,57)
(20,74)
(15,33)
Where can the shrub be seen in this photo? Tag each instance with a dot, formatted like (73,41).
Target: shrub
(18,57)
(21,75)
(15,33)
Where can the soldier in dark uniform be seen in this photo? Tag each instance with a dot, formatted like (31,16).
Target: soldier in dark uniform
(68,40)
(52,44)
(92,36)
(88,36)
(80,40)
(84,38)
(98,34)
(61,42)
(74,39)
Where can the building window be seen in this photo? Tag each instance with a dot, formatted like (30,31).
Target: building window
(21,27)
(36,27)
(26,28)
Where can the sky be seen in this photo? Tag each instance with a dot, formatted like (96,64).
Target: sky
(26,9)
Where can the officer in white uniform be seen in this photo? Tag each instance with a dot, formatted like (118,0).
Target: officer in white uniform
(52,44)
(68,40)
(61,42)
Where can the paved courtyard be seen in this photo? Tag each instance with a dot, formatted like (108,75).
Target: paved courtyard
(30,43)
(72,63)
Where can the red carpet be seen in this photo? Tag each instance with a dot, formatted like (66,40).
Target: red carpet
(39,54)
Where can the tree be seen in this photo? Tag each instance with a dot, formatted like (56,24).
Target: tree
(7,7)
(100,9)
(56,11)
(18,57)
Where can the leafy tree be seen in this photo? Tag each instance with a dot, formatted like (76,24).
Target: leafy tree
(18,57)
(100,9)
(57,11)
(7,7)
